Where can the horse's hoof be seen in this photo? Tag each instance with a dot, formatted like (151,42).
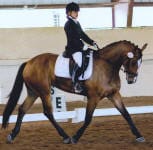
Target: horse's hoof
(67,140)
(73,140)
(140,139)
(9,139)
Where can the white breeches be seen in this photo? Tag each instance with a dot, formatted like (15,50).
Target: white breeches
(78,58)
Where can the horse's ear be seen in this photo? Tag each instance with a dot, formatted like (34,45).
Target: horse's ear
(144,46)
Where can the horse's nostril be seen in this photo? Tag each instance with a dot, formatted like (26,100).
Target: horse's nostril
(130,82)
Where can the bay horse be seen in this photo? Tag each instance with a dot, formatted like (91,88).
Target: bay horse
(38,76)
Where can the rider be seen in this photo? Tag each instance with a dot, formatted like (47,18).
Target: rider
(75,41)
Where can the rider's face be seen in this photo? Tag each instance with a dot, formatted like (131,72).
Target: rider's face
(73,14)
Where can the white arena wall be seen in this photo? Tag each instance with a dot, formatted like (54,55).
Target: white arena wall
(19,45)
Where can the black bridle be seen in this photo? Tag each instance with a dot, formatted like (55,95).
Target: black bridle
(129,74)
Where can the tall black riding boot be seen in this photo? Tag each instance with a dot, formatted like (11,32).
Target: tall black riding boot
(75,74)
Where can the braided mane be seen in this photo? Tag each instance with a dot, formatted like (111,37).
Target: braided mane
(121,41)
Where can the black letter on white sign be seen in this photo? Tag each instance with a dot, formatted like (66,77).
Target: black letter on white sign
(58,102)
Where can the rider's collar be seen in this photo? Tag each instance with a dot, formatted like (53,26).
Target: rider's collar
(73,19)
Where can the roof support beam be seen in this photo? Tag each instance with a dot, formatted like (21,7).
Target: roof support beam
(50,3)
(113,17)
(130,13)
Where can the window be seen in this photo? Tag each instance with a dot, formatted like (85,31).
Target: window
(100,17)
(142,16)
(88,17)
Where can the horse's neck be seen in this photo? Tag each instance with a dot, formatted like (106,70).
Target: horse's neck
(113,54)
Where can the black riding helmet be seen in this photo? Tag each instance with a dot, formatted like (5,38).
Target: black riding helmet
(72,7)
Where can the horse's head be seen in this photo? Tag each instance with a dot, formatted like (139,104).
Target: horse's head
(132,62)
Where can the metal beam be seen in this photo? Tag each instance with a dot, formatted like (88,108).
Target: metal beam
(143,4)
(48,2)
(56,6)
(62,3)
(53,3)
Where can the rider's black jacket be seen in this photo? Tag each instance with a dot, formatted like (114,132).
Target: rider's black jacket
(75,35)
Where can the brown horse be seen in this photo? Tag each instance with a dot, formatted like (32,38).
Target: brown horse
(38,76)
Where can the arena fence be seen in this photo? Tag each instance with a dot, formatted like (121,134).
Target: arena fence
(78,114)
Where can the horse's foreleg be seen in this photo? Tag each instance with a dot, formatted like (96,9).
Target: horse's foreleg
(46,100)
(91,105)
(116,99)
(22,110)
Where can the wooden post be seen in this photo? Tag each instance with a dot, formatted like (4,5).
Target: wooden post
(130,13)
(113,17)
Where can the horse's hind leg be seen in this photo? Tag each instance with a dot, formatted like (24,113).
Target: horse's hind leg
(30,99)
(116,99)
(46,100)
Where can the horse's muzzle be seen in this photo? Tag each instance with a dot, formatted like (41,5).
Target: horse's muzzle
(131,78)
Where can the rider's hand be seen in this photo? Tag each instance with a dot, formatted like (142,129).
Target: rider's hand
(95,45)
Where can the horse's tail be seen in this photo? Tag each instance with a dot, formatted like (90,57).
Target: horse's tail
(14,96)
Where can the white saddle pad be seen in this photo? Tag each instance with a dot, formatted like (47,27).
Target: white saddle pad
(62,67)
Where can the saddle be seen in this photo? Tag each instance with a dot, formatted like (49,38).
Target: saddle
(64,65)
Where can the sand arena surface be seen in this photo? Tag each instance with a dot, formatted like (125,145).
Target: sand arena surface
(105,133)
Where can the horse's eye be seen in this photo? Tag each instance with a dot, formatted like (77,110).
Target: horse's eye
(133,62)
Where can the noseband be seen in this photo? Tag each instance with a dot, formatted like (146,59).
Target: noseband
(131,75)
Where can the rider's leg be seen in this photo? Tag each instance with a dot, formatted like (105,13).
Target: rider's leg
(76,71)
